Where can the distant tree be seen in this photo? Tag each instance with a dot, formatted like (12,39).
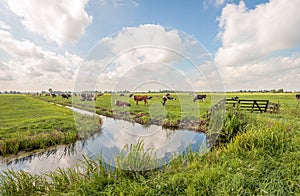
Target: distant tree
(280,90)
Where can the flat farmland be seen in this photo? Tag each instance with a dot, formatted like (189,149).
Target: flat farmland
(27,124)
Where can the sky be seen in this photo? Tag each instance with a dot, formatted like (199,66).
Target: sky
(149,45)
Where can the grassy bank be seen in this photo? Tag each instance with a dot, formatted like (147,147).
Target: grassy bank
(27,124)
(179,113)
(261,159)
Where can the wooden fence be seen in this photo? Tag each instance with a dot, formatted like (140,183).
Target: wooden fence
(254,105)
(244,104)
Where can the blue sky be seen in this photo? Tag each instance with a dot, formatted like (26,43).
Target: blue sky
(250,44)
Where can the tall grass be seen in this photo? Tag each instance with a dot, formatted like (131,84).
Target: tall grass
(135,157)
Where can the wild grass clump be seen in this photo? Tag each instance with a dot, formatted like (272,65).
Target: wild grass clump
(87,125)
(135,157)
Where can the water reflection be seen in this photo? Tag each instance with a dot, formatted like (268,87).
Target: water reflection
(112,138)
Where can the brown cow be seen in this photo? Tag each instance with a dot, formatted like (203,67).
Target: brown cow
(138,98)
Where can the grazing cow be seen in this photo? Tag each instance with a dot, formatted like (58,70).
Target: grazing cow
(121,103)
(200,97)
(236,98)
(130,95)
(88,97)
(98,95)
(138,98)
(122,94)
(64,96)
(298,96)
(53,95)
(167,97)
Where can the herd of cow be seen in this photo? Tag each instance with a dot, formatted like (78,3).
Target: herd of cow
(136,98)
(144,98)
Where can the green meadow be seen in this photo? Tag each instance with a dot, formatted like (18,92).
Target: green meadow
(182,110)
(28,124)
(259,156)
(256,154)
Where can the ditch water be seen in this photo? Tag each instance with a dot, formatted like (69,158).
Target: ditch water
(108,143)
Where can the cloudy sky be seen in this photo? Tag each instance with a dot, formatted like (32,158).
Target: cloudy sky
(141,45)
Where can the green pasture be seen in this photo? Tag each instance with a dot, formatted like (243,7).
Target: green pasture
(27,123)
(183,109)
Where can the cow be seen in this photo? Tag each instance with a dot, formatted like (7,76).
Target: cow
(64,96)
(138,98)
(167,97)
(200,97)
(121,103)
(236,98)
(122,94)
(88,97)
(298,96)
(53,95)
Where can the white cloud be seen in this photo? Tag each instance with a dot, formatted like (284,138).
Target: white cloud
(119,3)
(147,57)
(248,35)
(4,26)
(34,68)
(129,50)
(5,72)
(216,3)
(58,21)
(273,73)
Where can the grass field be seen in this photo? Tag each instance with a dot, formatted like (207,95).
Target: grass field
(27,123)
(182,109)
(260,157)
(179,113)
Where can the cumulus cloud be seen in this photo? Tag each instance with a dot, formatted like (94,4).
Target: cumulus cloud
(130,51)
(58,21)
(4,26)
(5,72)
(273,73)
(250,35)
(216,3)
(32,66)
(119,3)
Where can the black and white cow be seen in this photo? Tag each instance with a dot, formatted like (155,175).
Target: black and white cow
(200,97)
(167,97)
